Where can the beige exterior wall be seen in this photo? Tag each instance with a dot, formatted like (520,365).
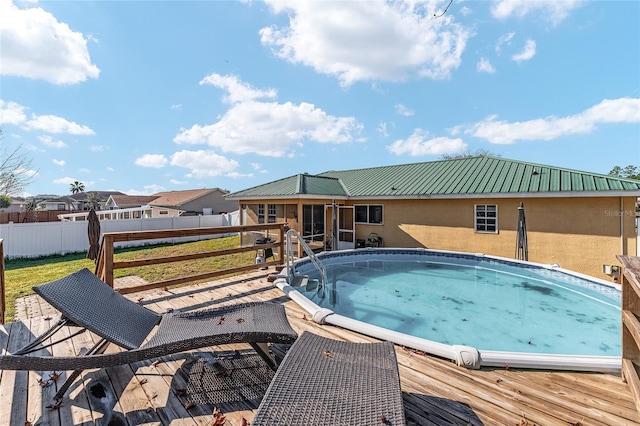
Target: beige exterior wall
(215,201)
(580,234)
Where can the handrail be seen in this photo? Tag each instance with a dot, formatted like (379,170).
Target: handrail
(631,324)
(312,256)
(106,264)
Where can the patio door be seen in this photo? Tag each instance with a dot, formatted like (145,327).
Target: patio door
(341,226)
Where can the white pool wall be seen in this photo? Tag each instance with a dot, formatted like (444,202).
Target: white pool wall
(485,358)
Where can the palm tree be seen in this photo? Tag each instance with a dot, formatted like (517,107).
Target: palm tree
(76,187)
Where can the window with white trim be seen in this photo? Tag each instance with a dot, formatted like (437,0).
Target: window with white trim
(369,213)
(271,212)
(486,218)
(260,213)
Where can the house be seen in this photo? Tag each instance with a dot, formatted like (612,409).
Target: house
(123,201)
(578,220)
(83,199)
(57,203)
(195,201)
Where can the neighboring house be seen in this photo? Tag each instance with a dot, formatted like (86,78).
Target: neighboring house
(578,220)
(122,201)
(82,203)
(140,212)
(196,201)
(57,203)
(17,204)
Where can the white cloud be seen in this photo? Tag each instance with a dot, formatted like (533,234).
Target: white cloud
(484,65)
(419,144)
(403,110)
(48,141)
(147,190)
(14,113)
(59,162)
(368,40)
(238,91)
(176,107)
(35,45)
(236,175)
(528,52)
(622,110)
(203,164)
(177,182)
(267,128)
(156,161)
(84,170)
(552,11)
(11,113)
(54,124)
(502,40)
(110,169)
(382,129)
(98,148)
(65,180)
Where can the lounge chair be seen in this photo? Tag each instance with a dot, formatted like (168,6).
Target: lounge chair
(86,301)
(328,382)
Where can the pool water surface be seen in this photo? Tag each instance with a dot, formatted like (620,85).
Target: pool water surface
(488,305)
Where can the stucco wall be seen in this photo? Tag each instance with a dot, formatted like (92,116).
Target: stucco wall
(214,201)
(580,234)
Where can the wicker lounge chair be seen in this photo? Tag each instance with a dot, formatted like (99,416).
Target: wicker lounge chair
(328,382)
(87,302)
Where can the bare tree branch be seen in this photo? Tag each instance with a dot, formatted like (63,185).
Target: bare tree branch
(16,172)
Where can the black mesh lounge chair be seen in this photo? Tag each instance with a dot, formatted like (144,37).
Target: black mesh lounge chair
(328,382)
(87,302)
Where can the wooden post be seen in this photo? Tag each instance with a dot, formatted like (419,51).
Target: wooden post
(631,324)
(107,252)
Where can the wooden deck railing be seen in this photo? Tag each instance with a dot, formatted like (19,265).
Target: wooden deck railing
(631,324)
(3,303)
(106,264)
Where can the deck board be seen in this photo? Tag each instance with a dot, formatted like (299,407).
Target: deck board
(435,391)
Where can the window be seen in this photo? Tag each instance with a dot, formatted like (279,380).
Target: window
(62,206)
(260,213)
(163,212)
(313,221)
(366,213)
(487,218)
(271,211)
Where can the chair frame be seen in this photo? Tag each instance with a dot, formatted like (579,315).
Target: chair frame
(88,303)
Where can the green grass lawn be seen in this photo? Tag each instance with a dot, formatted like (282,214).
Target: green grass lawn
(22,274)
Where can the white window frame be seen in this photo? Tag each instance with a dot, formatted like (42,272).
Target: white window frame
(272,213)
(260,213)
(481,214)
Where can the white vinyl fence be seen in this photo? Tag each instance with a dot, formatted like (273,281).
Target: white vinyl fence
(49,238)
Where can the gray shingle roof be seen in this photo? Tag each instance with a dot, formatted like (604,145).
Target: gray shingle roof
(447,178)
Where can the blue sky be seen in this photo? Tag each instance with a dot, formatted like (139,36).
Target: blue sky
(148,96)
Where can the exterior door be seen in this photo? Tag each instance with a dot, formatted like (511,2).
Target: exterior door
(340,226)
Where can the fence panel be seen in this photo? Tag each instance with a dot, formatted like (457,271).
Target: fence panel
(48,238)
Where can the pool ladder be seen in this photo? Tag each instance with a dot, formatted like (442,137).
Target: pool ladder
(312,257)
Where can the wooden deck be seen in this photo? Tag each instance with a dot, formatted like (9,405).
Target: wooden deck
(435,391)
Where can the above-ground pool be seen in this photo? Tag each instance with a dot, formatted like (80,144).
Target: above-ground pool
(475,309)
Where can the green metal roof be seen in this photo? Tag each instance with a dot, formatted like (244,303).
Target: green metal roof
(448,178)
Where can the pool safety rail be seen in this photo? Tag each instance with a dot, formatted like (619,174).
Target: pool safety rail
(312,257)
(464,356)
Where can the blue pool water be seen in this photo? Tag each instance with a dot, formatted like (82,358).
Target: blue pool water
(461,299)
